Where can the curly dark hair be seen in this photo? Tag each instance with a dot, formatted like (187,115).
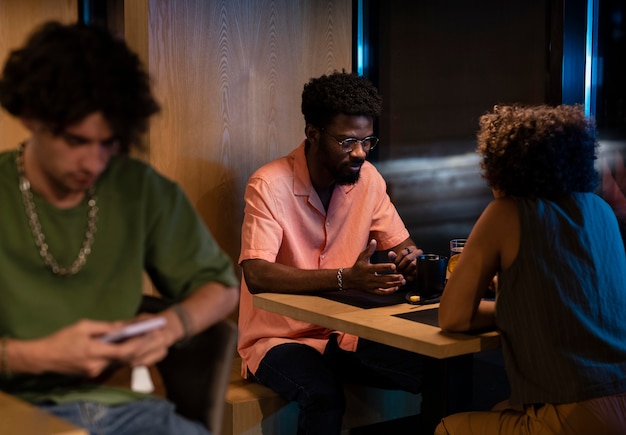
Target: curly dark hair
(538,151)
(325,97)
(66,72)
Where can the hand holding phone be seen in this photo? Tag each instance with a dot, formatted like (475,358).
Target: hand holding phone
(134,329)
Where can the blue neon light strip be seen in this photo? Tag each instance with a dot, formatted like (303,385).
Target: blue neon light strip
(593,75)
(589,56)
(86,12)
(360,67)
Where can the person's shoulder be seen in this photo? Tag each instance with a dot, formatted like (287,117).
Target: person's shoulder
(594,202)
(504,207)
(504,202)
(370,177)
(7,164)
(129,162)
(275,169)
(498,222)
(7,157)
(369,166)
(279,162)
(590,197)
(131,176)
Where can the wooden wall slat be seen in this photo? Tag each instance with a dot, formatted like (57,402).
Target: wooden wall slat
(229,75)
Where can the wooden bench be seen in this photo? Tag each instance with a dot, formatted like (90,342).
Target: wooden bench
(252,409)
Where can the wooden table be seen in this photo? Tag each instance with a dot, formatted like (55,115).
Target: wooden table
(447,386)
(19,417)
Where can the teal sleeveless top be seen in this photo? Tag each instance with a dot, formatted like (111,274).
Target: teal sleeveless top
(561,306)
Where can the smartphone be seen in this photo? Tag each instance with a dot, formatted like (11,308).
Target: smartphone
(134,329)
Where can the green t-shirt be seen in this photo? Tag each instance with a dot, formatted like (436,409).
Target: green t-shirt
(145,222)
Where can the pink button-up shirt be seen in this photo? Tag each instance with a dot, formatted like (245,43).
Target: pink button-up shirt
(285,222)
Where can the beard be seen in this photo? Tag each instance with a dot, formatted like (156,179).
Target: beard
(347,179)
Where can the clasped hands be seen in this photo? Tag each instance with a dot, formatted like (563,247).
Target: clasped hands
(382,278)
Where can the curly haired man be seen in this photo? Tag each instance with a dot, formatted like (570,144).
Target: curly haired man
(312,221)
(80,221)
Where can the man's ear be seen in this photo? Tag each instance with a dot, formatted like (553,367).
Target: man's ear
(312,133)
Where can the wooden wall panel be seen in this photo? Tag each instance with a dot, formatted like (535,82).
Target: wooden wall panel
(229,75)
(17,19)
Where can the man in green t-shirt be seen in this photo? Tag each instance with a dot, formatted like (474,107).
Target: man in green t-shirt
(80,221)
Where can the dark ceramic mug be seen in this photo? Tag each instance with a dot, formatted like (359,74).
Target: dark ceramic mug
(431,275)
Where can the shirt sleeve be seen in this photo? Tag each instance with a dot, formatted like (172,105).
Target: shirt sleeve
(261,233)
(181,253)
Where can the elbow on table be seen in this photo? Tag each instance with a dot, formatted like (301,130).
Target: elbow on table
(449,323)
(254,280)
(255,290)
(254,286)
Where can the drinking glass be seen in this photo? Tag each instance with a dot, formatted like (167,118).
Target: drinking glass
(456,247)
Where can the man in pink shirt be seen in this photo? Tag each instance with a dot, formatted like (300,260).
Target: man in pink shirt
(312,221)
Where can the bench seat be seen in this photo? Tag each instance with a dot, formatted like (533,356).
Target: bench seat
(252,409)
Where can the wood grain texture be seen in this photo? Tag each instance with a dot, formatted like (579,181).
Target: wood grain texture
(229,75)
(17,20)
(19,417)
(378,324)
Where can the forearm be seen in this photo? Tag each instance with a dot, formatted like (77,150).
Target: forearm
(20,356)
(459,318)
(262,276)
(485,316)
(206,306)
(74,350)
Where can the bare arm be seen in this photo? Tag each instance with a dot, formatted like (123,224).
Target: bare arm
(73,350)
(206,306)
(490,248)
(78,350)
(264,276)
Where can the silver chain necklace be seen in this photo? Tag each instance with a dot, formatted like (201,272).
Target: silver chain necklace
(35,226)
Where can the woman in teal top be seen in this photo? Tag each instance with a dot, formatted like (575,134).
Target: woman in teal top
(561,272)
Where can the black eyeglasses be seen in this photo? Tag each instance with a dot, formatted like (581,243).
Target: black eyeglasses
(347,145)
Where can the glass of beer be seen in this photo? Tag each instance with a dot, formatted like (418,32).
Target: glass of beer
(456,247)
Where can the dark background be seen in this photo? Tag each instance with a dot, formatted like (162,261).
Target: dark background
(440,65)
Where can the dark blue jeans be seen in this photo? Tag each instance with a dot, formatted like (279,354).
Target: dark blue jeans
(141,417)
(300,373)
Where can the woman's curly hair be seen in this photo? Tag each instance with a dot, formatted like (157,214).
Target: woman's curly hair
(538,151)
(325,97)
(67,72)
